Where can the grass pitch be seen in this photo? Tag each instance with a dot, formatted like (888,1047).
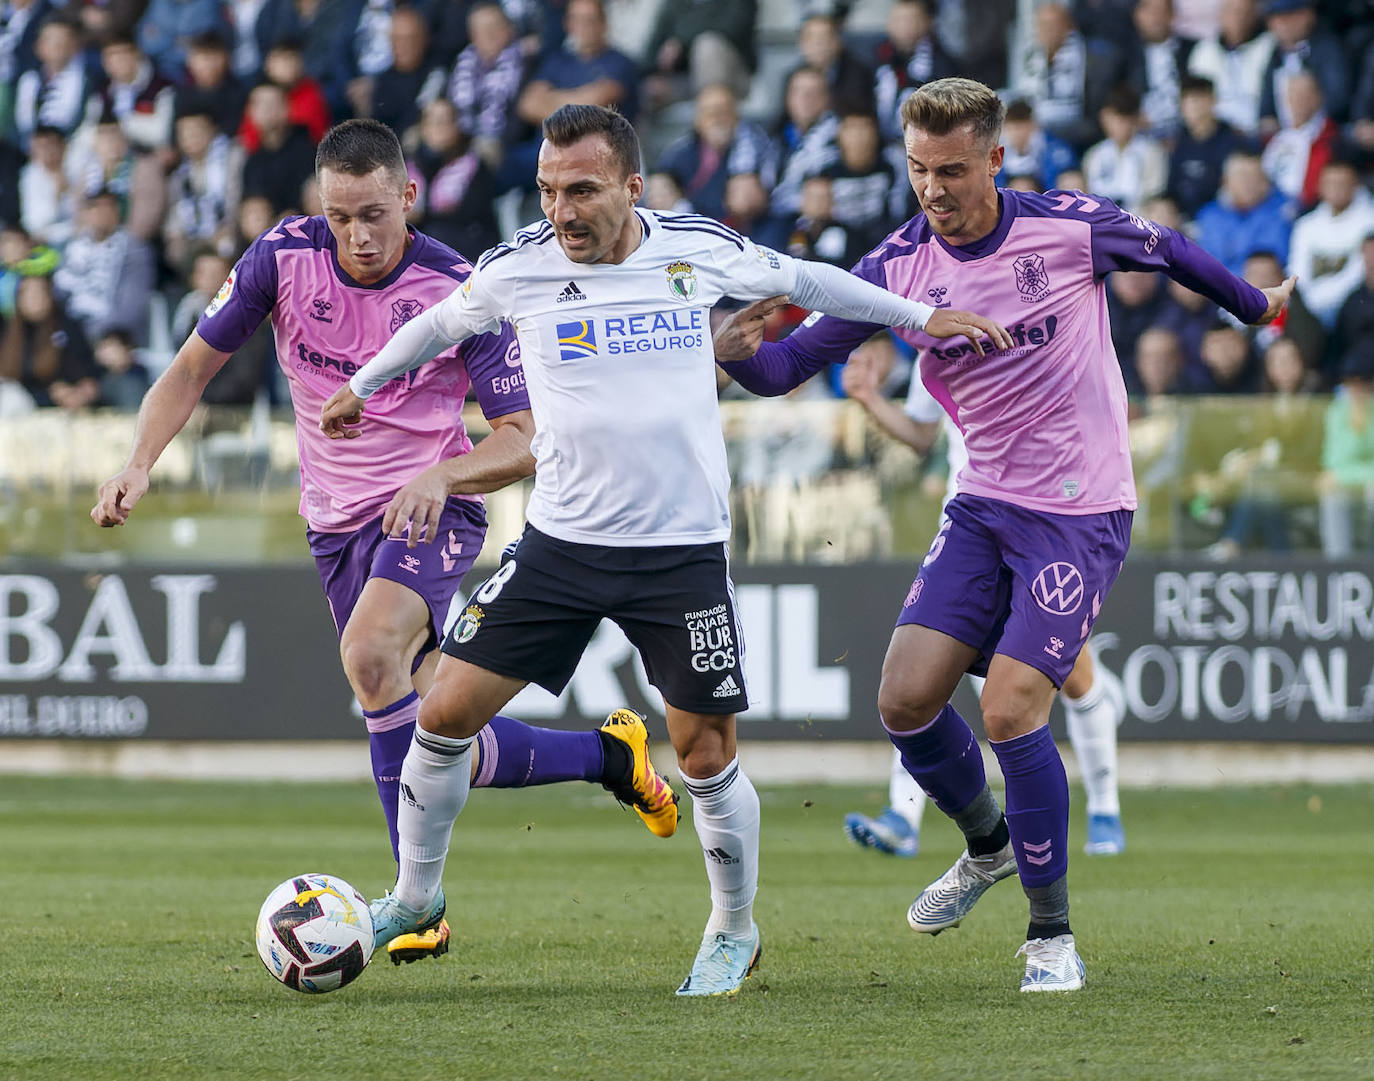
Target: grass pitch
(1235,939)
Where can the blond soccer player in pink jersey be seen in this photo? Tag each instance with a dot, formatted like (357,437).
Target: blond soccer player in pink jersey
(396,517)
(1038,531)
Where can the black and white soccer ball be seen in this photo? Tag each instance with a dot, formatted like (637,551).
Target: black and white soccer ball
(314,933)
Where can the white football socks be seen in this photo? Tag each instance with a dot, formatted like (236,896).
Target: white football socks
(434,787)
(904,795)
(1092,731)
(725,810)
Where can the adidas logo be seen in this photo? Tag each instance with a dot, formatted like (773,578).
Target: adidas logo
(571,292)
(727,687)
(409,797)
(719,855)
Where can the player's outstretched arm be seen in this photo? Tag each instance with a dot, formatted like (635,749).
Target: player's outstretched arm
(164,412)
(500,459)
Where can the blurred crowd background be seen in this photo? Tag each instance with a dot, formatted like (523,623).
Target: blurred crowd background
(145,143)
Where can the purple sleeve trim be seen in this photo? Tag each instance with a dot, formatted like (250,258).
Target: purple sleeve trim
(782,366)
(251,295)
(1191,265)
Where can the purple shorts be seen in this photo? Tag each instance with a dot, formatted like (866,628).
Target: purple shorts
(347,560)
(1023,583)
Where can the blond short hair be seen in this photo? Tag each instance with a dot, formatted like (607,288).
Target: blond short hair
(946,105)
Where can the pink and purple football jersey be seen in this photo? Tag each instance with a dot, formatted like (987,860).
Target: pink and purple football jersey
(326,326)
(1044,421)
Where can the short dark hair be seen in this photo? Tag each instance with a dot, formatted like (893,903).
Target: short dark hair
(572,123)
(1195,84)
(1123,100)
(360,147)
(1020,110)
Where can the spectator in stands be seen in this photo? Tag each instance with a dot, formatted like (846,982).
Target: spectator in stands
(202,191)
(1107,20)
(256,215)
(1300,46)
(1236,60)
(102,160)
(328,29)
(208,271)
(822,49)
(1128,166)
(45,351)
(1326,242)
(19,23)
(1275,471)
(869,194)
(168,27)
(1203,145)
(285,155)
(663,192)
(20,257)
(137,96)
(1156,64)
(1189,315)
(1230,364)
(210,85)
(123,378)
(1348,455)
(1031,150)
(817,234)
(1066,76)
(47,200)
(397,95)
(53,94)
(1163,209)
(485,86)
(306,106)
(1295,155)
(1133,301)
(453,202)
(1159,363)
(586,71)
(710,43)
(253,26)
(719,146)
(1360,132)
(1248,215)
(106,275)
(805,144)
(746,205)
(1355,320)
(909,56)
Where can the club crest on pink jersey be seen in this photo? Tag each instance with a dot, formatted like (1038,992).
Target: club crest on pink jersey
(403,311)
(1032,279)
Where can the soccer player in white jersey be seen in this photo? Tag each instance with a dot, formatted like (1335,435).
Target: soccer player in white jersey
(335,287)
(1094,700)
(1031,545)
(629,518)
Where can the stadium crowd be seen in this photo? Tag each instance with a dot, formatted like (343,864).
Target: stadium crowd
(145,143)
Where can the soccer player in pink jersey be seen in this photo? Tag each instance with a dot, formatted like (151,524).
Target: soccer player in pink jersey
(395,519)
(1031,545)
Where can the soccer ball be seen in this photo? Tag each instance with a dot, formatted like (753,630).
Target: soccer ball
(314,933)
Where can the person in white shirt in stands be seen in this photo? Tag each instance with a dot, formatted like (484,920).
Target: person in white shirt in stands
(1325,253)
(629,517)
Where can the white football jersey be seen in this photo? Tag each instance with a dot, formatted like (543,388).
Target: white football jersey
(621,373)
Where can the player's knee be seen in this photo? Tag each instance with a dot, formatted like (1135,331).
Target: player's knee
(1006,721)
(446,716)
(370,667)
(903,707)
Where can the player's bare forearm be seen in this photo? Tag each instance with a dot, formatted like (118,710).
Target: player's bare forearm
(500,459)
(164,412)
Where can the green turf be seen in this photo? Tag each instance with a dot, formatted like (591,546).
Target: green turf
(1233,940)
